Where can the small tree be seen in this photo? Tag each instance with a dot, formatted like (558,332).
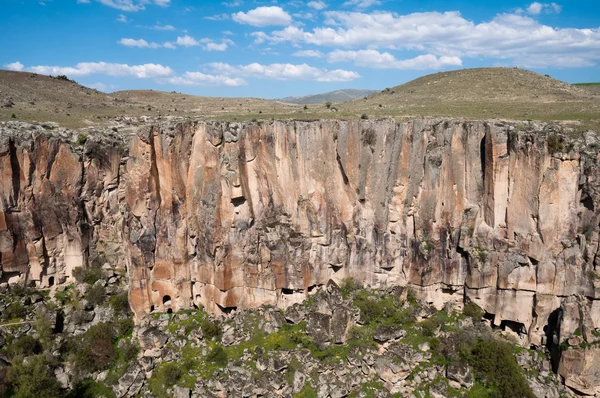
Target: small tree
(328,104)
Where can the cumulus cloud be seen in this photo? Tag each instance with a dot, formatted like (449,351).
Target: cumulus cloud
(361,3)
(263,16)
(507,37)
(235,3)
(205,43)
(104,68)
(308,53)
(283,72)
(122,18)
(16,66)
(375,59)
(317,5)
(202,79)
(141,43)
(131,5)
(187,41)
(214,46)
(217,17)
(537,8)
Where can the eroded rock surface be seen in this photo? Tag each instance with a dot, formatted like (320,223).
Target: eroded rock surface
(230,215)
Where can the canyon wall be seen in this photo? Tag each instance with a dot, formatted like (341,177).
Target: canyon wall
(232,215)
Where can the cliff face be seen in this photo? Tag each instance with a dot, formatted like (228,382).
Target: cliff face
(234,216)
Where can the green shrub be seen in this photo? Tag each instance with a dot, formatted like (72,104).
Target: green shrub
(169,374)
(124,327)
(96,295)
(88,274)
(94,350)
(430,326)
(218,356)
(82,139)
(25,346)
(555,144)
(33,379)
(373,308)
(472,310)
(349,286)
(494,363)
(328,104)
(120,303)
(15,311)
(211,330)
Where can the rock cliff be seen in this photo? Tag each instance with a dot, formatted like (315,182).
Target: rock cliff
(231,215)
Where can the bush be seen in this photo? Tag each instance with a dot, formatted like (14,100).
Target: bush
(472,310)
(25,346)
(120,303)
(88,274)
(349,286)
(211,330)
(124,327)
(218,356)
(94,349)
(328,104)
(14,311)
(96,295)
(33,379)
(430,326)
(82,139)
(555,144)
(494,363)
(364,116)
(374,309)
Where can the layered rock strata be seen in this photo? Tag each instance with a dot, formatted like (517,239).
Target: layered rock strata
(232,215)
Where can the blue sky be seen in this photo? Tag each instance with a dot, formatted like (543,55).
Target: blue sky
(273,49)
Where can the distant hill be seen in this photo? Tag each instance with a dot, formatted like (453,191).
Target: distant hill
(483,93)
(332,96)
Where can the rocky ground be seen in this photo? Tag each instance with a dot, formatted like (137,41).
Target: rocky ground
(342,341)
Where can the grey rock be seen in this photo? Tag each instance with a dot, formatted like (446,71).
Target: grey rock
(386,333)
(181,392)
(152,337)
(295,313)
(342,321)
(460,372)
(319,327)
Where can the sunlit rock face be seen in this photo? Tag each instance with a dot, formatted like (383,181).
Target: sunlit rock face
(232,215)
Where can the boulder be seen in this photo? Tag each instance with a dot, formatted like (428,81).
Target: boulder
(319,327)
(385,333)
(460,373)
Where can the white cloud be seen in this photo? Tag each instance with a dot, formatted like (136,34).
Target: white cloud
(170,45)
(263,16)
(518,38)
(214,47)
(317,5)
(304,15)
(187,41)
(308,53)
(284,72)
(361,3)
(131,5)
(122,18)
(228,33)
(217,17)
(83,1)
(259,37)
(162,27)
(537,8)
(141,43)
(104,68)
(375,59)
(16,66)
(235,3)
(207,44)
(201,79)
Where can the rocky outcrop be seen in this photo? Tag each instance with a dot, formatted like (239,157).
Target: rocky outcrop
(231,215)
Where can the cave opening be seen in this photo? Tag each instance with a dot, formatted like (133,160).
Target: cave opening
(51,281)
